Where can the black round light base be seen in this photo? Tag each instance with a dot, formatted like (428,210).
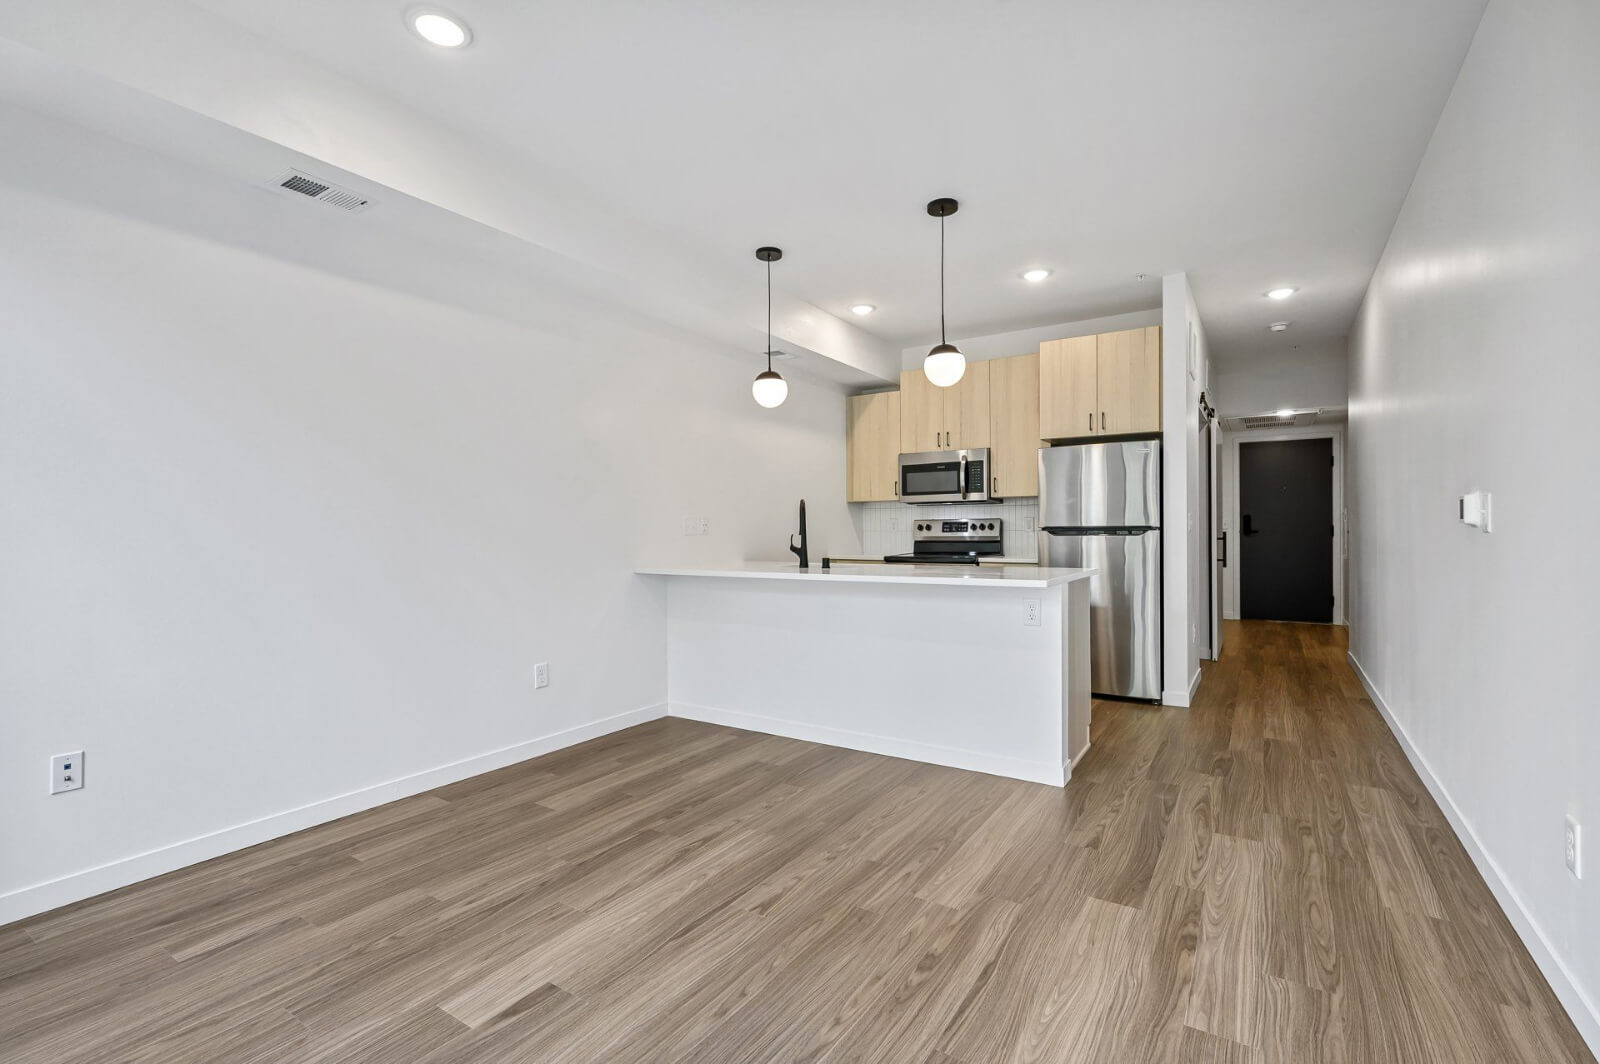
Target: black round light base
(769,254)
(943,207)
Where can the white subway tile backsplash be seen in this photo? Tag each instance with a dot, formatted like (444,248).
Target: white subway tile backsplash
(886,526)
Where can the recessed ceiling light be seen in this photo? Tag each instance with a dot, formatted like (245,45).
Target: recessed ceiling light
(863,309)
(1035,275)
(1281,293)
(436,27)
(1278,326)
(1285,413)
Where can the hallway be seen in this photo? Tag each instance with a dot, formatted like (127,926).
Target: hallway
(1341,920)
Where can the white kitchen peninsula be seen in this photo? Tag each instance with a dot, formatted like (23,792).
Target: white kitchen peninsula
(976,668)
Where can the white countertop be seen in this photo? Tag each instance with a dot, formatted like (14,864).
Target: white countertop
(989,559)
(879,573)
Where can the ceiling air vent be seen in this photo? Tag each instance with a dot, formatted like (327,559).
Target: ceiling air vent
(321,191)
(1298,419)
(1269,421)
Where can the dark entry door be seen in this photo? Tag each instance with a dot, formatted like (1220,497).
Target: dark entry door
(1286,530)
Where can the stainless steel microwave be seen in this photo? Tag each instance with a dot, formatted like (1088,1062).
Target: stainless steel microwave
(945,476)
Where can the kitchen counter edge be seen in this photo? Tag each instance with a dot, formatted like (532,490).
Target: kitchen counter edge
(1019,576)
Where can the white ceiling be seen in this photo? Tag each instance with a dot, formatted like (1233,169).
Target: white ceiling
(1251,143)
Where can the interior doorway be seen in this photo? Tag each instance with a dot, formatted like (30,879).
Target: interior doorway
(1286,530)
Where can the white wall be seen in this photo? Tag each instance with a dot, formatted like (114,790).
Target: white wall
(1027,341)
(1312,376)
(275,535)
(1473,366)
(1185,537)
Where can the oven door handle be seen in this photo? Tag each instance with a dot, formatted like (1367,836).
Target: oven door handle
(963,476)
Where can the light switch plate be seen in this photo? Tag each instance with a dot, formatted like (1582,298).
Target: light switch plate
(1476,509)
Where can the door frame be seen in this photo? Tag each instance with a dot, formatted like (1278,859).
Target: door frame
(1216,576)
(1231,442)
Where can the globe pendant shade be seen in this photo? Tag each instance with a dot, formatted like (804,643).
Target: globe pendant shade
(769,389)
(944,365)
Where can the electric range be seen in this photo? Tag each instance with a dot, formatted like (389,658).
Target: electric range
(952,541)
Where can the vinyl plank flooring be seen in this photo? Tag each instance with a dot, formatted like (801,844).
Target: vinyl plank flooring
(1231,952)
(1260,878)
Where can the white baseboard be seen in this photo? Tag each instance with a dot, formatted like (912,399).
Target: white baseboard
(995,765)
(1194,685)
(1583,1011)
(1175,698)
(1074,763)
(52,894)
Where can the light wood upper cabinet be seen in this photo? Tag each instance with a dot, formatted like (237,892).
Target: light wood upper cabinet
(1068,405)
(1129,371)
(941,419)
(921,413)
(966,408)
(1014,426)
(872,444)
(1100,385)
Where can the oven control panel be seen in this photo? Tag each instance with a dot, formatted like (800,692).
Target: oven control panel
(964,529)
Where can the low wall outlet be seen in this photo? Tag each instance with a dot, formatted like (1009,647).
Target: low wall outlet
(541,674)
(66,772)
(696,526)
(1574,848)
(1030,615)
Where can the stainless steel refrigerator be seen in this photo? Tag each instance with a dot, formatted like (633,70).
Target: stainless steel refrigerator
(1100,507)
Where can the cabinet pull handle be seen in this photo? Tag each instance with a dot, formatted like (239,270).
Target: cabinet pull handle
(1091,421)
(897,487)
(996,481)
(1102,421)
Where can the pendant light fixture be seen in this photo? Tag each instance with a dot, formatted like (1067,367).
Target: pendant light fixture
(769,388)
(945,364)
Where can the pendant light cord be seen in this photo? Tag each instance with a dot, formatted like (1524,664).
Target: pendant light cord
(769,315)
(942,340)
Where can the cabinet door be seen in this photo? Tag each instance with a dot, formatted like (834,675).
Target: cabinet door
(966,408)
(1146,405)
(1014,426)
(1067,388)
(921,413)
(1129,386)
(872,443)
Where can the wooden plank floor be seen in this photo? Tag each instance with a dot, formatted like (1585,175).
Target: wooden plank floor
(1261,878)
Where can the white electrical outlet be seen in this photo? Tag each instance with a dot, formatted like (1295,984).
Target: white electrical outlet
(1574,847)
(1030,617)
(66,772)
(541,674)
(696,526)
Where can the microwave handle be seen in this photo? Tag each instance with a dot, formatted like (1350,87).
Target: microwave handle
(963,476)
